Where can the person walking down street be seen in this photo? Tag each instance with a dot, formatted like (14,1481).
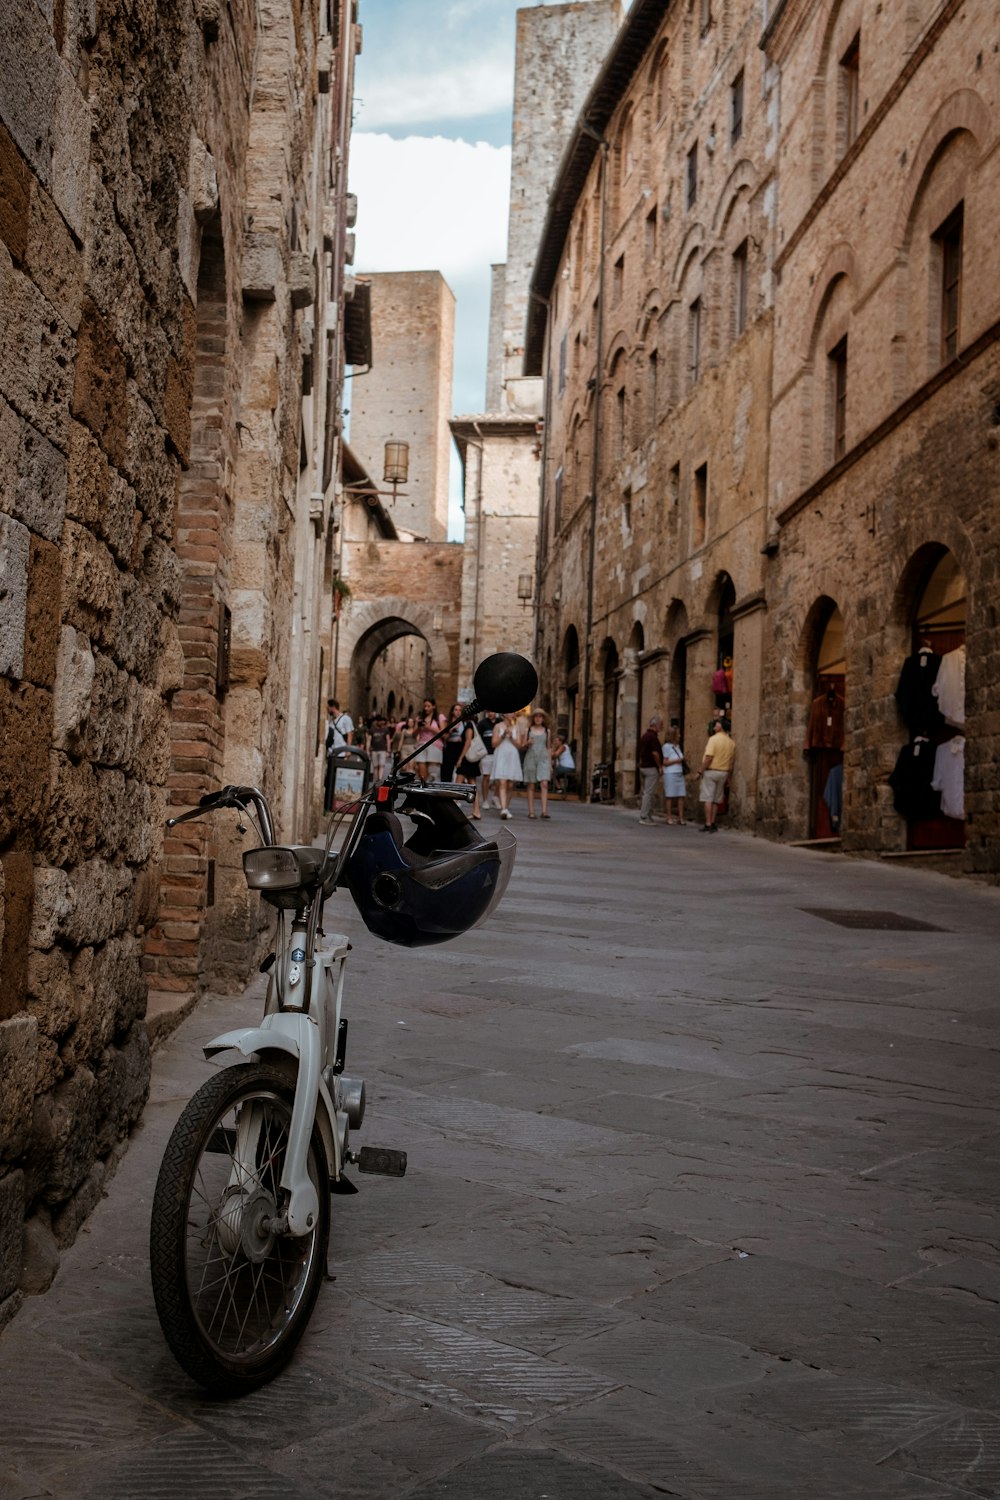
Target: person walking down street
(716,767)
(468,770)
(429,724)
(377,745)
(486,726)
(506,761)
(404,739)
(650,766)
(452,747)
(674,785)
(537,767)
(339,732)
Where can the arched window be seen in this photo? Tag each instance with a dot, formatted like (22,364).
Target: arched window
(661,83)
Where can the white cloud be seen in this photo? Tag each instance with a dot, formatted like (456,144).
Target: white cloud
(428,203)
(450,62)
(460,91)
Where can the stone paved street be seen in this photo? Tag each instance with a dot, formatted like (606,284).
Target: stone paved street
(701,1202)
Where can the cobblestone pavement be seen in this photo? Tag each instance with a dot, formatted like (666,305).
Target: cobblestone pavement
(701,1202)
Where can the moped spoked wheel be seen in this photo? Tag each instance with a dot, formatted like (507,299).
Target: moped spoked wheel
(233,1296)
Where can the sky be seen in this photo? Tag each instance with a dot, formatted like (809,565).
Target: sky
(430,160)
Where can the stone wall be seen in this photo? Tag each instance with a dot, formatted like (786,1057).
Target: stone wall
(759,360)
(500,458)
(645,589)
(917,474)
(151,497)
(398,589)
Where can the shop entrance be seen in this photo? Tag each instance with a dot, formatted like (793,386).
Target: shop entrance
(938,641)
(722,678)
(571,659)
(609,728)
(825,732)
(637,644)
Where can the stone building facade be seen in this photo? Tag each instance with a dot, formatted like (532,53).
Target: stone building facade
(172,218)
(771,385)
(396,632)
(559,51)
(883,497)
(406,397)
(656,445)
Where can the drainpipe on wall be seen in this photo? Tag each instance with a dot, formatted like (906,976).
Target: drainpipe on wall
(583,758)
(478,447)
(543,489)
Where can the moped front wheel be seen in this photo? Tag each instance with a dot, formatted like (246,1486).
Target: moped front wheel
(233,1293)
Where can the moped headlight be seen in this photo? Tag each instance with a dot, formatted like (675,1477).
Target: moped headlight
(271,869)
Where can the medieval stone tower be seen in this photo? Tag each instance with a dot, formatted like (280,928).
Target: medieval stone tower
(407,395)
(560,51)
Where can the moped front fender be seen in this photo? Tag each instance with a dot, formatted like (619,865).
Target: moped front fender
(293,1035)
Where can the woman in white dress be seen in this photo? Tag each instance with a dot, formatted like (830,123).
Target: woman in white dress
(674,785)
(506,761)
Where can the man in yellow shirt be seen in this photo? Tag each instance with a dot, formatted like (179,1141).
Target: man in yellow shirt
(716,768)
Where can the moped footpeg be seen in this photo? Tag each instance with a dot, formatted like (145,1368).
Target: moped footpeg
(381,1160)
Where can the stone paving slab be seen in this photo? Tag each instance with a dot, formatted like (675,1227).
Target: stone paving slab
(701,1202)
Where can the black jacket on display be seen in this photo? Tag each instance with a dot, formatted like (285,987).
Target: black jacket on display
(913,796)
(916,701)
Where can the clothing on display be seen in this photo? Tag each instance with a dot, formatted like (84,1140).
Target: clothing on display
(833,795)
(949,776)
(914,797)
(949,687)
(722,683)
(915,692)
(826,722)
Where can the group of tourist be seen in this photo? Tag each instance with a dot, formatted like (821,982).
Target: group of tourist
(664,760)
(495,753)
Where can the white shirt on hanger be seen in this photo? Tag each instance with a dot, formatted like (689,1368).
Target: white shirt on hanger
(949,686)
(949,776)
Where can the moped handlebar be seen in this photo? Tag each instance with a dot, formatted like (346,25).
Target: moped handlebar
(232,796)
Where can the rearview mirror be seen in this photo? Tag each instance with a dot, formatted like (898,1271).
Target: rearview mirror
(505,683)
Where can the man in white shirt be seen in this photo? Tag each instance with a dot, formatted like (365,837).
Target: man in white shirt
(339,732)
(339,727)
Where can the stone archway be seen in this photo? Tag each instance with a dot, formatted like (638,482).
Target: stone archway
(367,626)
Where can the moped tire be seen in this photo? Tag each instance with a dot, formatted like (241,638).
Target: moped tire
(233,1296)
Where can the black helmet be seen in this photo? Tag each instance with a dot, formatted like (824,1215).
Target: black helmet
(438,883)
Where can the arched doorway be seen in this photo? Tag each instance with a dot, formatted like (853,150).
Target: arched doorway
(723,676)
(827,671)
(391,669)
(929,779)
(609,712)
(571,677)
(675,633)
(634,708)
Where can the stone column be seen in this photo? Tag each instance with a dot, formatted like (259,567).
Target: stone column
(748,650)
(629,727)
(699,702)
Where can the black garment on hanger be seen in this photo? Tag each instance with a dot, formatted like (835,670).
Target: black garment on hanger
(917,703)
(913,796)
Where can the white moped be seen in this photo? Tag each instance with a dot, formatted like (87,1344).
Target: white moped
(241,1213)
